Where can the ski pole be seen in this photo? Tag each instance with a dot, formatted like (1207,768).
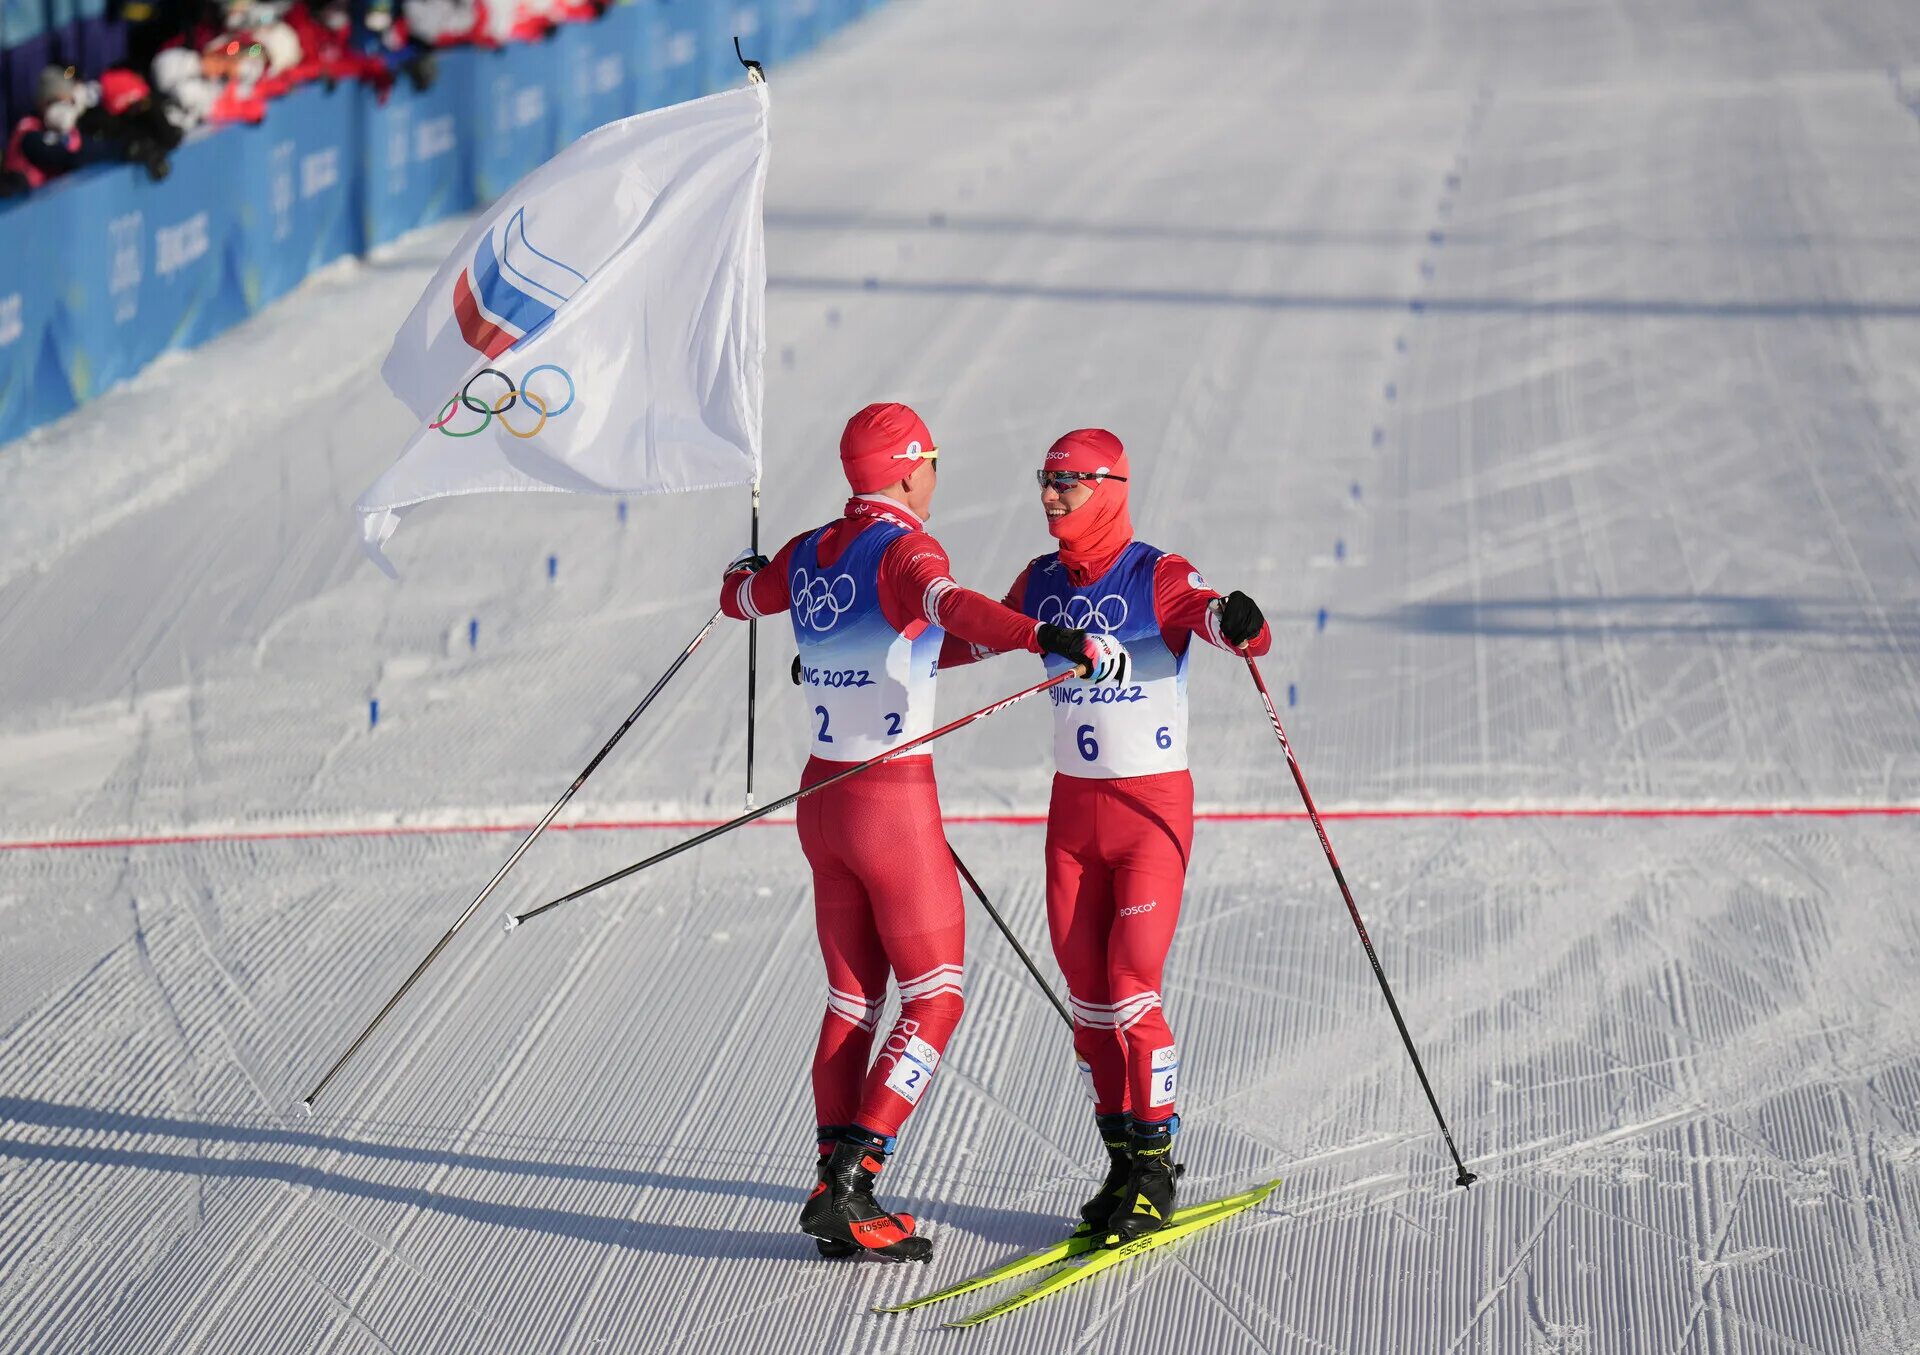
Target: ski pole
(513,860)
(1007,932)
(515,920)
(1465,1178)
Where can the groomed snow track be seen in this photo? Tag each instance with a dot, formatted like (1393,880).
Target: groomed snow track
(1568,355)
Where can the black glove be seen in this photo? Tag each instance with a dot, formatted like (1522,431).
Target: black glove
(749,561)
(1240,618)
(1066,643)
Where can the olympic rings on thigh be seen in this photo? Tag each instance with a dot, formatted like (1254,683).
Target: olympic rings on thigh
(531,432)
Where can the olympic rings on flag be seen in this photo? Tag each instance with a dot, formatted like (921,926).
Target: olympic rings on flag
(506,400)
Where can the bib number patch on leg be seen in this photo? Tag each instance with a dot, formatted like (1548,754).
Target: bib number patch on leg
(1166,1076)
(913,1070)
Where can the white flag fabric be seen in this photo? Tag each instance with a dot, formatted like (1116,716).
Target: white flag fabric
(602,330)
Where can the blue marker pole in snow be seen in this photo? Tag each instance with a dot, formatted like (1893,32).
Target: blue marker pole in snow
(623,512)
(553,567)
(1293,695)
(373,712)
(1320,620)
(473,633)
(1340,550)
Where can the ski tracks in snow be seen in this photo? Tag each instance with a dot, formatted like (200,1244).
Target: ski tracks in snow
(1563,357)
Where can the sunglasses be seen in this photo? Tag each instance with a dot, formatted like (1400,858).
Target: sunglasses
(1060,481)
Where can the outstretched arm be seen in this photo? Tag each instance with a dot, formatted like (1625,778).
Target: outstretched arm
(916,584)
(957,652)
(917,588)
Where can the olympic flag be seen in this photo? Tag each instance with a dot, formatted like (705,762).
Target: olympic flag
(602,330)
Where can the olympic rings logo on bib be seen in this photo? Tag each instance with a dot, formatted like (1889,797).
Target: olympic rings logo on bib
(815,596)
(1079,612)
(508,398)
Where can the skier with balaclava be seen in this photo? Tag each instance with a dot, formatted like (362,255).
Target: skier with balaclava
(1120,825)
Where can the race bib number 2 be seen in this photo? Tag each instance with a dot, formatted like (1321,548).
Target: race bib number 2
(913,1070)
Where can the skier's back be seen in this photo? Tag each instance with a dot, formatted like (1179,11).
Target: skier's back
(871,596)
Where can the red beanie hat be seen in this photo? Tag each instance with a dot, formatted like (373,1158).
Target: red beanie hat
(882,445)
(1088,450)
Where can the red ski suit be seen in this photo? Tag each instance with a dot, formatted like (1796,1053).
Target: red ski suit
(1118,843)
(886,898)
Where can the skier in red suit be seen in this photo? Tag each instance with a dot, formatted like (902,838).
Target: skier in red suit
(871,596)
(1120,827)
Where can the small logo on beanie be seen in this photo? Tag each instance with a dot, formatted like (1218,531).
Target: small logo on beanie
(914,452)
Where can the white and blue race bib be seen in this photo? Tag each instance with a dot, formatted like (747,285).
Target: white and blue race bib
(1103,730)
(871,689)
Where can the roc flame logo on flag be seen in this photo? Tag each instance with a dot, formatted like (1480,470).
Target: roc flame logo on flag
(511,291)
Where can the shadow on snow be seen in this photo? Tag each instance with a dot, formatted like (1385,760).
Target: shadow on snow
(760,1238)
(1896,626)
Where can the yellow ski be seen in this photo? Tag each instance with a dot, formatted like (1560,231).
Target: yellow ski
(1066,1249)
(1185,1222)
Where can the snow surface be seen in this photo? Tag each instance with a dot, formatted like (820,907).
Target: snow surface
(1567,354)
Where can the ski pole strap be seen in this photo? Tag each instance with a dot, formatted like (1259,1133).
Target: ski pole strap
(785,800)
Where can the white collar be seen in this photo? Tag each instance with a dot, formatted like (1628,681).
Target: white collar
(893,506)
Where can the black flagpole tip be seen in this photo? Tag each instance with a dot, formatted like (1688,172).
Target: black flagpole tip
(755,71)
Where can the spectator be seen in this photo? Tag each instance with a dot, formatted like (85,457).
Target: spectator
(217,85)
(124,115)
(47,142)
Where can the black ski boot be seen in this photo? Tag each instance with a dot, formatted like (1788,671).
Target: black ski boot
(841,1214)
(1097,1214)
(828,1135)
(1150,1189)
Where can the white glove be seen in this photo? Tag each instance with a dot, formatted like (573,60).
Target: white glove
(750,560)
(1109,658)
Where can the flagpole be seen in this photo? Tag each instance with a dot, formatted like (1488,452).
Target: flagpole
(753,652)
(756,75)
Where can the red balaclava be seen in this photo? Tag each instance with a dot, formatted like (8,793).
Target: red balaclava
(882,445)
(1093,535)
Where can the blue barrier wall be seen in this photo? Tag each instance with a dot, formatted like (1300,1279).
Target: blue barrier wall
(102,271)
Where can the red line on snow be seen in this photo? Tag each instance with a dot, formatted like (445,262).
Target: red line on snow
(1024,820)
